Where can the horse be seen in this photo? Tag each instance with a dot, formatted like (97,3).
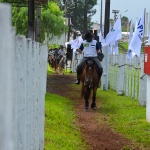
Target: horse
(53,61)
(89,80)
(62,64)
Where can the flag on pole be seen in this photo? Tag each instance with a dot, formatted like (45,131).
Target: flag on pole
(115,33)
(110,49)
(131,32)
(129,55)
(136,41)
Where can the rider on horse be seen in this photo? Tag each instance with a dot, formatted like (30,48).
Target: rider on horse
(61,52)
(91,49)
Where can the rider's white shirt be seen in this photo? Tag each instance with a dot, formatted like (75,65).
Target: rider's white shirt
(89,48)
(61,52)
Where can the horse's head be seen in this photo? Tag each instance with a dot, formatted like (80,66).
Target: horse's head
(89,70)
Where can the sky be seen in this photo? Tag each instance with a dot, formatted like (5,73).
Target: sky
(133,8)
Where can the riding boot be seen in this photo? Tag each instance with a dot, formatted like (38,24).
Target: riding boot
(78,77)
(99,83)
(77,81)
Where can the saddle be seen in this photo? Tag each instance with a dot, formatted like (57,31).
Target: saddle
(90,63)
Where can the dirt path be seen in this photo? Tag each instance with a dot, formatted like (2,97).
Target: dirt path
(94,127)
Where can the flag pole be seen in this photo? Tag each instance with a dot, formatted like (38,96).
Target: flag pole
(144,27)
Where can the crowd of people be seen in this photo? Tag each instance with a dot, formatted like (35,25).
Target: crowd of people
(58,52)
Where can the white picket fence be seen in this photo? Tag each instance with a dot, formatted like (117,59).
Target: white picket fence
(23,73)
(125,76)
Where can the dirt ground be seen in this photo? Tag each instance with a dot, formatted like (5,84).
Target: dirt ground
(93,125)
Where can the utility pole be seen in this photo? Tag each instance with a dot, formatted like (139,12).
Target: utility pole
(68,37)
(75,14)
(85,16)
(107,16)
(38,24)
(31,19)
(101,17)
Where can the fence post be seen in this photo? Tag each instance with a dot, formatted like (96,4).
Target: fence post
(148,99)
(42,90)
(142,87)
(7,79)
(105,64)
(121,69)
(29,96)
(21,46)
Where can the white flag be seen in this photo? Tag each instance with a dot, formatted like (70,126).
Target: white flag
(129,54)
(116,33)
(136,41)
(110,49)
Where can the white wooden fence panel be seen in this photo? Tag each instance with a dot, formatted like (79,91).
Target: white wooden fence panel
(120,80)
(143,80)
(42,91)
(7,83)
(23,67)
(29,96)
(21,91)
(105,75)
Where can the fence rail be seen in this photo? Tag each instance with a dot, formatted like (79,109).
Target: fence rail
(23,73)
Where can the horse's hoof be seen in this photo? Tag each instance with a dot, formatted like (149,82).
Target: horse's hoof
(93,106)
(85,109)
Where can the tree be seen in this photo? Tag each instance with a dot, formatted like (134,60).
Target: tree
(124,23)
(52,20)
(77,16)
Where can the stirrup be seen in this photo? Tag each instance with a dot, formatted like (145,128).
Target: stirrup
(77,82)
(99,84)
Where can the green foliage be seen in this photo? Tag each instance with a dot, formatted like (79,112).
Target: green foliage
(79,13)
(52,46)
(60,130)
(52,21)
(20,20)
(124,23)
(123,47)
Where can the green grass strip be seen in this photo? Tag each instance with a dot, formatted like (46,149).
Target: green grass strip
(126,116)
(61,132)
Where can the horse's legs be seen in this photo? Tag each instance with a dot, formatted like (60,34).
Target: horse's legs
(93,105)
(86,97)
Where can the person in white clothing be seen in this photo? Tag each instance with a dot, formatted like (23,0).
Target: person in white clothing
(90,49)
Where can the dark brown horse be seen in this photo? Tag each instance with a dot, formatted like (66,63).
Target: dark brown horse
(89,79)
(53,61)
(62,64)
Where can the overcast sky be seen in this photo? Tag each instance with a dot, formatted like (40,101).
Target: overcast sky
(135,9)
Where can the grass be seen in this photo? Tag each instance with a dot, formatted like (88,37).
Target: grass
(61,132)
(51,71)
(126,117)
